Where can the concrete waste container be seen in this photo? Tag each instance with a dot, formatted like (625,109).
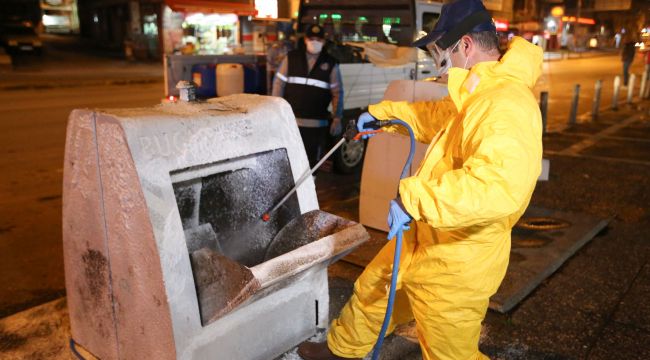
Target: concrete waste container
(165,252)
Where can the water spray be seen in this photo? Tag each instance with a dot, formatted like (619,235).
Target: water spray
(351,134)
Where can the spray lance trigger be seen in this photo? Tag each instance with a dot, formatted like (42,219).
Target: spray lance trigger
(352,134)
(378,124)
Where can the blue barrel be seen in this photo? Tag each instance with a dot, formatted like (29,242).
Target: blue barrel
(205,78)
(255,78)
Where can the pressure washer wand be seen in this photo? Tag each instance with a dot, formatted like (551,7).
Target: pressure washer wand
(267,215)
(351,134)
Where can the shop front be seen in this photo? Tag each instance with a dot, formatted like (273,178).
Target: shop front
(60,16)
(205,27)
(220,46)
(566,32)
(577,32)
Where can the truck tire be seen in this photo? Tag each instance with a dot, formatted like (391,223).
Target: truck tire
(349,157)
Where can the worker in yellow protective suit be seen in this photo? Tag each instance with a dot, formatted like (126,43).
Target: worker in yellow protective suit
(474,183)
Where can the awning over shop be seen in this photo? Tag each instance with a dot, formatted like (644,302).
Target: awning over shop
(239,7)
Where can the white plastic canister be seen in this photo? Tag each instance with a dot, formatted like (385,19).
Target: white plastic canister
(230,79)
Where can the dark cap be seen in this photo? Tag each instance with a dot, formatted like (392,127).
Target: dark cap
(458,18)
(315,30)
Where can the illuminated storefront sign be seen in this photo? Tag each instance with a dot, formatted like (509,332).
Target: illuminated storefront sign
(557,11)
(238,7)
(267,8)
(501,25)
(572,19)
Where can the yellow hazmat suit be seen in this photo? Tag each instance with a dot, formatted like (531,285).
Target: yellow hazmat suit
(474,183)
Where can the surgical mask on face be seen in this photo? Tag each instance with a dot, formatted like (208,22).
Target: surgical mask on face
(314,46)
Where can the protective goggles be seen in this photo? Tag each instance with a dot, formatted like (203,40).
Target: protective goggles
(441,58)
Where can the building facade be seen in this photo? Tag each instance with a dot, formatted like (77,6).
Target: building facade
(148,29)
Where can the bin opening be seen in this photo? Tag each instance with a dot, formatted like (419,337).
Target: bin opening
(219,206)
(221,210)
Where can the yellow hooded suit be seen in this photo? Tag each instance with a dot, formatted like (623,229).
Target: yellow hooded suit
(474,183)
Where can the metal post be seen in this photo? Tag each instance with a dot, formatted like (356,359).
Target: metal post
(543,107)
(644,80)
(630,88)
(596,105)
(617,87)
(646,89)
(574,105)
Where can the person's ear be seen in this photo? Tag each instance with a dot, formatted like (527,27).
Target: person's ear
(466,45)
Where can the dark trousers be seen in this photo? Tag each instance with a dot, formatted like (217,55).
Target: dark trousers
(626,71)
(315,141)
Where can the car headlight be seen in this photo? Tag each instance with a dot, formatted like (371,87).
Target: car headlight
(13,43)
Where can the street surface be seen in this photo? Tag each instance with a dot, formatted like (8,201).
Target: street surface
(32,139)
(68,62)
(559,78)
(595,307)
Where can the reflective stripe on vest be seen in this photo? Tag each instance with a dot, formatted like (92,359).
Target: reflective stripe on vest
(307,81)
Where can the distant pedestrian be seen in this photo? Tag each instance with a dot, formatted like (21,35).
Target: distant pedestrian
(627,56)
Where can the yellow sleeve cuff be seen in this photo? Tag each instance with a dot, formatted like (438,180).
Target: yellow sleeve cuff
(409,201)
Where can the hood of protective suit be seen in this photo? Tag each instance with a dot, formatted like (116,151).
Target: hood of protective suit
(521,63)
(516,62)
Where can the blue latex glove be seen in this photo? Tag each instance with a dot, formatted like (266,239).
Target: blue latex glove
(398,218)
(362,124)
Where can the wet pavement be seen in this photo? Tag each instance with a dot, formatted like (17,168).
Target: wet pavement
(68,62)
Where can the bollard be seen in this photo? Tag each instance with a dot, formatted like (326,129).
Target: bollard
(644,80)
(596,105)
(543,107)
(574,105)
(630,88)
(646,90)
(617,87)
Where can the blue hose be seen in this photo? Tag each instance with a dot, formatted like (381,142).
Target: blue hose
(73,348)
(398,246)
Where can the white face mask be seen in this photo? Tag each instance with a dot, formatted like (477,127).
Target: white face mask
(314,46)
